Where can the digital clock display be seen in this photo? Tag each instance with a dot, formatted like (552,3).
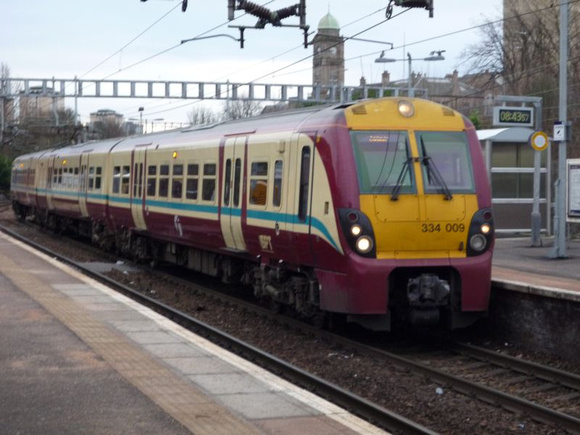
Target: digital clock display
(513,116)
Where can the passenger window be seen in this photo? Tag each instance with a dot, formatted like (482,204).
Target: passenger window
(91,178)
(259,183)
(277,192)
(83,175)
(304,183)
(163,180)
(177,182)
(208,187)
(76,179)
(237,182)
(98,178)
(227,181)
(125,178)
(116,179)
(192,181)
(151,180)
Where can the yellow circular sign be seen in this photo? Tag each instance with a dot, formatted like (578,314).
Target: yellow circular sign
(539,141)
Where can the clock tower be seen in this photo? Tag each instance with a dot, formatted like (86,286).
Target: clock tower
(328,59)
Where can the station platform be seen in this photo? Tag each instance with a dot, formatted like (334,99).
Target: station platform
(77,357)
(519,266)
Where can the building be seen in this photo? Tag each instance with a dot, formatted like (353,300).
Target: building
(105,123)
(328,57)
(40,105)
(106,116)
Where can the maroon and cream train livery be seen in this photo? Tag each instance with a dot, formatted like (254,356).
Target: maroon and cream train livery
(378,210)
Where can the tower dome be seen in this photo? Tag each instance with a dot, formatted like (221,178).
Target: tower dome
(328,22)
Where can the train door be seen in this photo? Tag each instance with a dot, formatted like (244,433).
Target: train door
(83,183)
(303,147)
(232,193)
(137,191)
(52,178)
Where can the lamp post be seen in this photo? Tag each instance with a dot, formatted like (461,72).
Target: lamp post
(141,109)
(433,56)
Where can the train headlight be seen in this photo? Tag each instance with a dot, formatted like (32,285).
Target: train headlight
(364,244)
(358,232)
(406,108)
(478,242)
(481,233)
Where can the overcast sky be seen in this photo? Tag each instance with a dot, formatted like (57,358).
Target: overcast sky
(68,38)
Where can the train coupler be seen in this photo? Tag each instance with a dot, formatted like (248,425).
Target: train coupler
(428,291)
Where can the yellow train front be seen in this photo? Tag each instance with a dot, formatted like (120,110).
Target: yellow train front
(414,204)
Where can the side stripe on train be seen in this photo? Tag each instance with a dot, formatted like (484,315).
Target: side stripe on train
(261,215)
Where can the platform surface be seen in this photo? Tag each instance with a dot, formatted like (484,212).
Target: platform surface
(515,261)
(77,357)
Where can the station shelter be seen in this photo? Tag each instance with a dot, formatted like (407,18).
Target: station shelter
(509,159)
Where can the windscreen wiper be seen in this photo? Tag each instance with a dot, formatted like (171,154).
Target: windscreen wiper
(406,168)
(432,171)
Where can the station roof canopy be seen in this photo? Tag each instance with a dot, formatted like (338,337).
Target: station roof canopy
(511,134)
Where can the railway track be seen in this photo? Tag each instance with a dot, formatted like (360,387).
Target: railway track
(542,393)
(370,411)
(5,204)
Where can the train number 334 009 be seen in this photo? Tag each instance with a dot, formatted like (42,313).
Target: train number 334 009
(437,228)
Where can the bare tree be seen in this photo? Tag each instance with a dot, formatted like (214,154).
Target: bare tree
(241,108)
(201,115)
(522,51)
(107,128)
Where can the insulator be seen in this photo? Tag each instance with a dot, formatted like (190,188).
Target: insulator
(256,10)
(290,11)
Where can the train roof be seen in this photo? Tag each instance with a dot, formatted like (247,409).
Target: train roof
(289,120)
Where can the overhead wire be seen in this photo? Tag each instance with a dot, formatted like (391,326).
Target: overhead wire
(273,73)
(296,62)
(131,41)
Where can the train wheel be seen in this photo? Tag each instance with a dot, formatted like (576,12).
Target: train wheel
(320,320)
(275,306)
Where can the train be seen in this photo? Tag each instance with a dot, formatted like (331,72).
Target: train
(376,212)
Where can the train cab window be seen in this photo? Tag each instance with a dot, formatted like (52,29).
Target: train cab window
(177,182)
(383,162)
(163,181)
(151,180)
(125,178)
(445,153)
(98,178)
(209,184)
(116,179)
(258,183)
(55,176)
(59,175)
(192,181)
(277,191)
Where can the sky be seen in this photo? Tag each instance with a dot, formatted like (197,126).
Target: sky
(114,38)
